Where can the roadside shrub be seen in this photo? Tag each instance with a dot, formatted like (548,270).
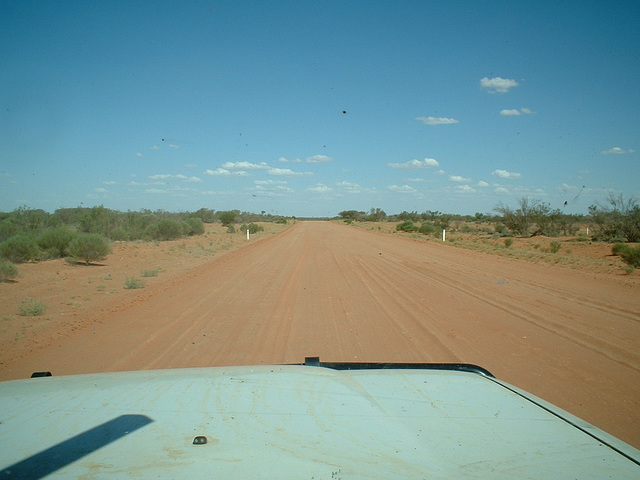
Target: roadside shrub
(227,217)
(554,247)
(150,273)
(8,271)
(169,229)
(427,229)
(193,226)
(132,283)
(20,249)
(630,255)
(406,226)
(508,242)
(30,307)
(151,232)
(56,240)
(89,247)
(252,227)
(231,229)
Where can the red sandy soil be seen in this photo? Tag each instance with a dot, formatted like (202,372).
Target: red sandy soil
(344,294)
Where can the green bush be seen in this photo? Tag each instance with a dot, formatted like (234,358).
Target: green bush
(630,255)
(169,229)
(554,247)
(193,226)
(228,217)
(252,227)
(406,226)
(20,249)
(89,247)
(151,232)
(133,283)
(56,240)
(8,271)
(231,229)
(508,242)
(150,273)
(30,307)
(427,229)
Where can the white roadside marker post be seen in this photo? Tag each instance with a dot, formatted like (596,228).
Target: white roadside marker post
(443,234)
(247,234)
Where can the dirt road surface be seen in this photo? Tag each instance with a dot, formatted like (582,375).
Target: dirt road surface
(344,294)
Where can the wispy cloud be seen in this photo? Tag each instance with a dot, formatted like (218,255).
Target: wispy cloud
(139,155)
(191,165)
(287,172)
(110,182)
(349,187)
(458,179)
(245,166)
(465,189)
(505,174)
(155,147)
(498,84)
(319,159)
(286,160)
(437,120)
(223,172)
(415,164)
(174,146)
(617,151)
(165,176)
(402,189)
(320,188)
(515,112)
(482,183)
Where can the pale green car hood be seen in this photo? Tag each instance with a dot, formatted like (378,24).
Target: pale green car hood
(296,422)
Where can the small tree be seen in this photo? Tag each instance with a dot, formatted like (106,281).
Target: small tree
(227,218)
(520,220)
(89,247)
(20,249)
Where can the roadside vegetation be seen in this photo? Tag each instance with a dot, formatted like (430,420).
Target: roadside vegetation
(530,230)
(84,234)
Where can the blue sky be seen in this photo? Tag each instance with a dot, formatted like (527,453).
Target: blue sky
(311,108)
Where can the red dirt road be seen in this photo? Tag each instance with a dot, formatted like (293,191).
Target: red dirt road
(344,294)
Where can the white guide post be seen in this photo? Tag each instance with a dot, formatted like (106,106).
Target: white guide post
(444,234)
(247,234)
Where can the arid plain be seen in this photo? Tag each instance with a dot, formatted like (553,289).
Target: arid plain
(568,335)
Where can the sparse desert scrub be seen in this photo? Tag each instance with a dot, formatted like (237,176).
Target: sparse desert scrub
(30,307)
(57,240)
(132,283)
(150,273)
(630,255)
(8,271)
(20,249)
(89,247)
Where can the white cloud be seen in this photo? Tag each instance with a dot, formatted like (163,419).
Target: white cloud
(133,183)
(223,172)
(515,112)
(498,84)
(191,165)
(174,146)
(245,166)
(349,187)
(505,174)
(155,190)
(466,189)
(437,120)
(155,147)
(100,190)
(482,183)
(166,176)
(502,190)
(139,155)
(110,182)
(270,182)
(319,159)
(440,172)
(287,172)
(320,188)
(415,164)
(285,160)
(415,180)
(458,179)
(402,189)
(616,151)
